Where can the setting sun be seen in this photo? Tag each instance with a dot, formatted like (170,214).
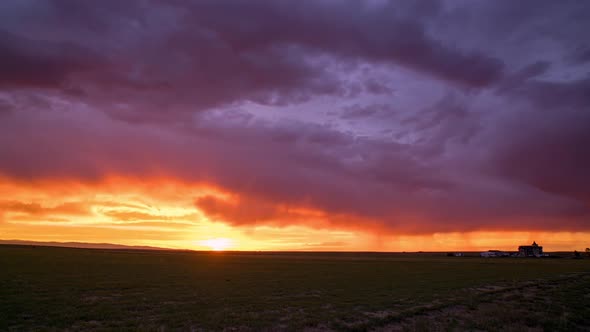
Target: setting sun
(217,244)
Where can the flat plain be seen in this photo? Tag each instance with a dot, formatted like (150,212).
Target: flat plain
(48,288)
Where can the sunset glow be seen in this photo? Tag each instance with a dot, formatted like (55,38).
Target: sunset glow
(163,214)
(217,244)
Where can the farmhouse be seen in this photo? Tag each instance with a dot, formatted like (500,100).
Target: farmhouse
(533,250)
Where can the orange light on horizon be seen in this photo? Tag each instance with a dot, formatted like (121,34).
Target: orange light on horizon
(217,244)
(162,212)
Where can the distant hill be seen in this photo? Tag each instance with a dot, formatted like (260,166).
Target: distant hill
(79,245)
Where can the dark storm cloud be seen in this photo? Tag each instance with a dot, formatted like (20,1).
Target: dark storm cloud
(551,157)
(482,134)
(32,63)
(196,55)
(354,30)
(545,146)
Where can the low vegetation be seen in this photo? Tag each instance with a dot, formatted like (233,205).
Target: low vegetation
(43,288)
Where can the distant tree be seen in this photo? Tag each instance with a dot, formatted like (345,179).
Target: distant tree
(588,252)
(576,254)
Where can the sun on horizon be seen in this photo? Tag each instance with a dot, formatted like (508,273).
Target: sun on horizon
(217,244)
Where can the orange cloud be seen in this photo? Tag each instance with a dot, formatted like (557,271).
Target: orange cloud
(68,208)
(251,211)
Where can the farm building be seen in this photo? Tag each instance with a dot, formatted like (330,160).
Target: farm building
(533,250)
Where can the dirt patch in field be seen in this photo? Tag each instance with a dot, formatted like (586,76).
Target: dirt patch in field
(529,306)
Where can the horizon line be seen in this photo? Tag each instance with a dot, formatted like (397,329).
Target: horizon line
(116,246)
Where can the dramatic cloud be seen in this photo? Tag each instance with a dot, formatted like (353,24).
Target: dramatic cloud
(384,116)
(38,63)
(197,55)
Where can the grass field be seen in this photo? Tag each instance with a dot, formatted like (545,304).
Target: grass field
(43,288)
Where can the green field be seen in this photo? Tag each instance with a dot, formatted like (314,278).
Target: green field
(44,288)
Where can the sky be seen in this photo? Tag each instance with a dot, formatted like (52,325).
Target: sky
(296,125)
